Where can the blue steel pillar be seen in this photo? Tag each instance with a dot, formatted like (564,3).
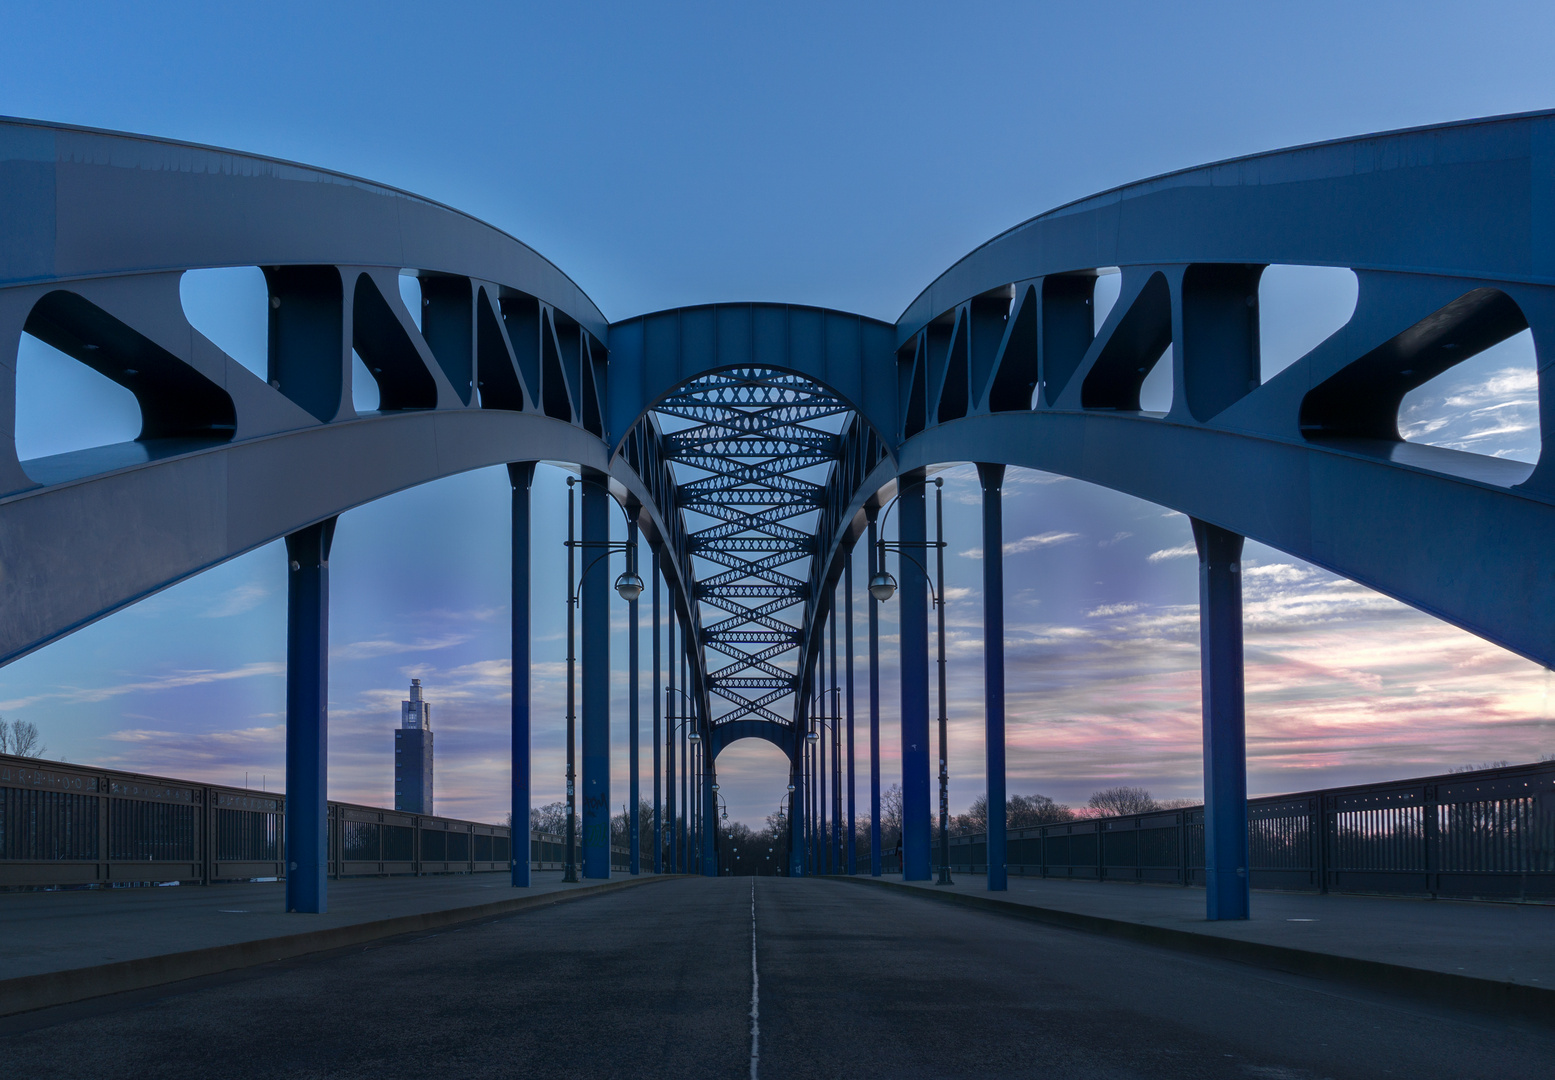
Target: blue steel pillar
(633,822)
(795,797)
(307,718)
(521,475)
(658,705)
(709,817)
(847,587)
(1225,742)
(594,599)
(670,725)
(873,511)
(912,529)
(992,477)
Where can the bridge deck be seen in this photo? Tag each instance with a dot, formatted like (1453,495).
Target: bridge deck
(853,981)
(69,930)
(1512,943)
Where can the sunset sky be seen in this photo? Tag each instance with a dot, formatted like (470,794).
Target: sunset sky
(809,157)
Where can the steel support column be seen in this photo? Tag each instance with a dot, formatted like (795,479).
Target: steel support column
(594,604)
(658,705)
(912,529)
(521,475)
(1225,742)
(307,718)
(670,714)
(633,656)
(834,846)
(847,587)
(992,477)
(709,817)
(871,557)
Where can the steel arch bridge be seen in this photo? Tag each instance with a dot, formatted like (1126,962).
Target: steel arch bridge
(754,445)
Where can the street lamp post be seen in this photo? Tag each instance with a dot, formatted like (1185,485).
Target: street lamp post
(630,586)
(831,839)
(882,587)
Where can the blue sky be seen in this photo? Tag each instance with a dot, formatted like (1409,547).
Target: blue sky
(830,154)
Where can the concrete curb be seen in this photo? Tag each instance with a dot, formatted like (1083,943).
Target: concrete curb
(29,992)
(1439,987)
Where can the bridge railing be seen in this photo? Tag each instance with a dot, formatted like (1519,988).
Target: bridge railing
(1487,834)
(63,825)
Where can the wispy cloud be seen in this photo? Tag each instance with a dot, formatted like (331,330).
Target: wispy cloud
(236,602)
(1026,543)
(1183,552)
(367,650)
(77,695)
(1109,610)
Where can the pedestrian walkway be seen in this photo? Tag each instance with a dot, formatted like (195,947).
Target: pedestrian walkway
(67,945)
(1378,939)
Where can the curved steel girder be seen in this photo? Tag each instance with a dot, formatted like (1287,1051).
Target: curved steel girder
(91,203)
(782,736)
(1464,550)
(1468,199)
(653,355)
(76,552)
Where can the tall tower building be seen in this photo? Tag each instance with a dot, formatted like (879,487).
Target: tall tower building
(413,754)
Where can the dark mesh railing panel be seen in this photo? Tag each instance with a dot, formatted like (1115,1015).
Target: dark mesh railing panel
(247,835)
(43,825)
(150,831)
(434,845)
(1387,838)
(482,847)
(361,841)
(458,846)
(399,843)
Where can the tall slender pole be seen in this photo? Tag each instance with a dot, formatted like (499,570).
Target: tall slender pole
(658,705)
(944,771)
(871,557)
(521,476)
(847,588)
(992,477)
(633,817)
(570,867)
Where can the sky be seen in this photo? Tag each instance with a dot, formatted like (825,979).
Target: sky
(832,154)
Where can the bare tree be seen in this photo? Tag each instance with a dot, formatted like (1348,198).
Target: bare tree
(550,818)
(1123,800)
(1020,812)
(21,738)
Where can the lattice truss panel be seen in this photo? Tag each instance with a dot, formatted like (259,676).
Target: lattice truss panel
(752,450)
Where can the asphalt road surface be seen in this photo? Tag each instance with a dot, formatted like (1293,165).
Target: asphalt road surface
(851,982)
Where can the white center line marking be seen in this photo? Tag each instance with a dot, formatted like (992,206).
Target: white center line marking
(755,991)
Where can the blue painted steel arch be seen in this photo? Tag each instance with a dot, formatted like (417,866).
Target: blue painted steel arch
(1450,229)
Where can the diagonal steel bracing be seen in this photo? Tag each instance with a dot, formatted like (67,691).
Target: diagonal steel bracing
(753,459)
